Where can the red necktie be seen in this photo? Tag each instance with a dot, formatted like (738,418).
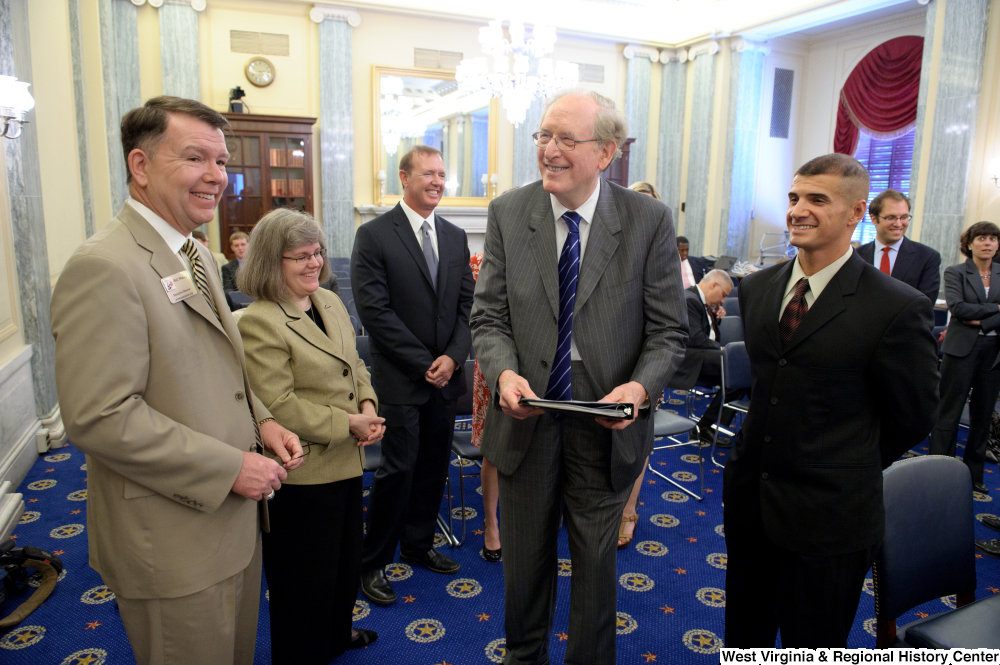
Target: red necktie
(885,260)
(794,311)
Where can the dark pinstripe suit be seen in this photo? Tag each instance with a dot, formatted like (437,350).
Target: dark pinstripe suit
(628,325)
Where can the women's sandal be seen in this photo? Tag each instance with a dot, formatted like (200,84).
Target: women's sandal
(623,537)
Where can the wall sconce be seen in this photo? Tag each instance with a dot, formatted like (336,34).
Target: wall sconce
(494,181)
(381,178)
(15,101)
(995,171)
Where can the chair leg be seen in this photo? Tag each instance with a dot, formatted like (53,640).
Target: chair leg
(446,529)
(701,466)
(461,492)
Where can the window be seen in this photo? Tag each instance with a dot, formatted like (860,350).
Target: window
(888,163)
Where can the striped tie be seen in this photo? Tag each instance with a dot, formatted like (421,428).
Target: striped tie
(198,270)
(794,311)
(560,380)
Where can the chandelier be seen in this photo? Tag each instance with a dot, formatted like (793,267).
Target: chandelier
(395,119)
(521,70)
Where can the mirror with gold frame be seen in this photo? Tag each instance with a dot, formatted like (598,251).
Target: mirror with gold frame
(424,106)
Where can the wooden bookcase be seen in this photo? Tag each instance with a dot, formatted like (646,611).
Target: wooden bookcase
(271,166)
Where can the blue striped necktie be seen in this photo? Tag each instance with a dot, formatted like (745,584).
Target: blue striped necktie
(560,380)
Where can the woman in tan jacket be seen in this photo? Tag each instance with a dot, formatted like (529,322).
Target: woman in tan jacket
(303,364)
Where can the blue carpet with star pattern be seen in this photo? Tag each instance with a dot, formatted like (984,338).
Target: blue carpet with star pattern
(671,598)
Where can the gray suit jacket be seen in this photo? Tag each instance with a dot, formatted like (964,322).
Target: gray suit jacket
(629,320)
(967,301)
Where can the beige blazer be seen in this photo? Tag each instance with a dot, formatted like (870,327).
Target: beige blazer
(309,381)
(156,394)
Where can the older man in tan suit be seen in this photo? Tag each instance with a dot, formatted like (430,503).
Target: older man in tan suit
(153,388)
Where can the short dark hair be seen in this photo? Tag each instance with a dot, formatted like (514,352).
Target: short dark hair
(682,239)
(406,161)
(237,235)
(973,232)
(855,178)
(145,126)
(199,235)
(875,207)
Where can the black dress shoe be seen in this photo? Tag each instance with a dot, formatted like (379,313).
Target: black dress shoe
(362,639)
(434,561)
(981,488)
(376,588)
(992,523)
(492,556)
(991,547)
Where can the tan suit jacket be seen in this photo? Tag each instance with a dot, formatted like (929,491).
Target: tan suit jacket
(156,395)
(309,381)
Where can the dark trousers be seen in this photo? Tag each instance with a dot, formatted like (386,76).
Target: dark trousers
(958,375)
(312,561)
(812,600)
(407,489)
(568,461)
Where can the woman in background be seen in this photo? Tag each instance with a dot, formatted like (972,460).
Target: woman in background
(630,518)
(488,474)
(971,349)
(303,364)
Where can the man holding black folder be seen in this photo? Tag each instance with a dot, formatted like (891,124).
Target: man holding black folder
(579,297)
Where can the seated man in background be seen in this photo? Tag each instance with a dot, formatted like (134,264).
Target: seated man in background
(896,255)
(693,268)
(238,243)
(702,356)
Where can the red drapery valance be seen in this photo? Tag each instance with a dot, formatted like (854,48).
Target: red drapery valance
(880,95)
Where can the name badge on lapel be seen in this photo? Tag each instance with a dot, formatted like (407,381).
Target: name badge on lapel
(179,286)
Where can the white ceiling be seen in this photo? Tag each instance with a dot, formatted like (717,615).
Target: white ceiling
(662,22)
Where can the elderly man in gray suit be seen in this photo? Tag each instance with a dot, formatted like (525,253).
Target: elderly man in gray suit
(579,297)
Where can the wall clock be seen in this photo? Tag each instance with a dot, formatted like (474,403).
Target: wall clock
(260,72)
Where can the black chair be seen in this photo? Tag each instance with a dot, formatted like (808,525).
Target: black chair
(928,553)
(461,445)
(237,300)
(670,426)
(937,335)
(342,263)
(732,306)
(730,329)
(364,352)
(345,292)
(340,274)
(940,317)
(735,376)
(344,282)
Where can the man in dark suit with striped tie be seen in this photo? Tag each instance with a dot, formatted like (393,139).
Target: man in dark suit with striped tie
(844,381)
(413,287)
(579,297)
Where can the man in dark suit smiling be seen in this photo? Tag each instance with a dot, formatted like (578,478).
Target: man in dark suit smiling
(413,286)
(844,381)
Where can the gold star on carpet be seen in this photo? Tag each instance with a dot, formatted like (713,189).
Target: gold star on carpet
(562,637)
(103,593)
(426,630)
(32,500)
(703,640)
(49,470)
(993,589)
(700,513)
(479,532)
(74,512)
(409,599)
(88,659)
(691,539)
(26,636)
(681,571)
(922,615)
(651,482)
(464,587)
(650,657)
(59,552)
(443,662)
(93,625)
(483,617)
(667,609)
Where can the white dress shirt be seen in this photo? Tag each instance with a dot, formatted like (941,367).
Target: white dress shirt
(817,281)
(586,212)
(688,274)
(174,238)
(416,221)
(893,252)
